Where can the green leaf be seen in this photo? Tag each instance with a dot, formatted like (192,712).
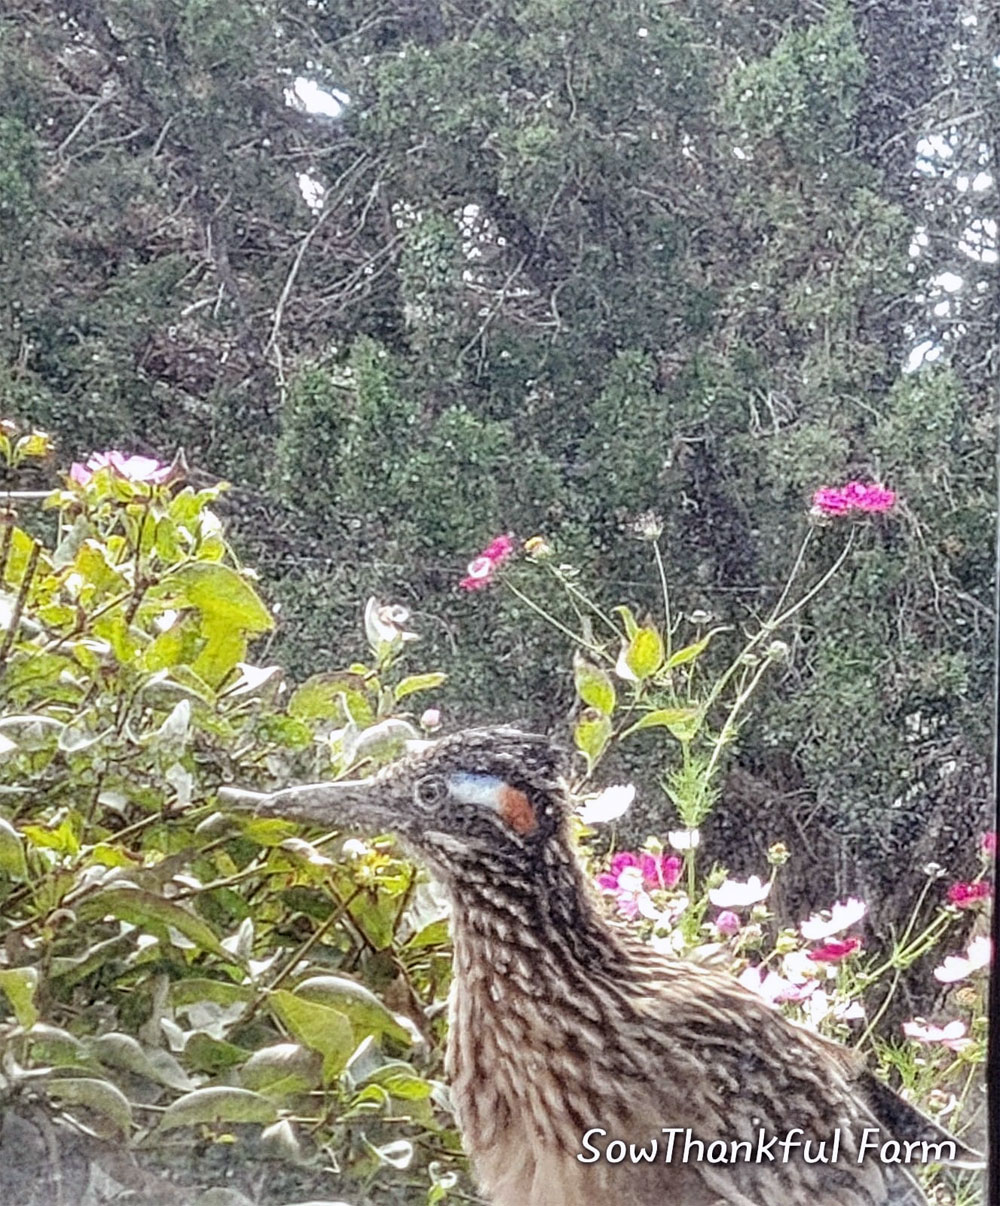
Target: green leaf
(99,1095)
(683,723)
(12,860)
(356,1002)
(116,1050)
(418,682)
(153,913)
(318,1026)
(689,652)
(644,655)
(340,697)
(219,992)
(594,686)
(221,1103)
(628,619)
(283,1069)
(224,646)
(18,984)
(591,735)
(220,592)
(399,1079)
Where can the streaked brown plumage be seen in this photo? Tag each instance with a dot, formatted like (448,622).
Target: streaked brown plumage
(561,1023)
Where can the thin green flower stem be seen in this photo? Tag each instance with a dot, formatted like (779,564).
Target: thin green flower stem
(667,627)
(572,589)
(551,619)
(903,957)
(869,1030)
(800,557)
(739,703)
(776,621)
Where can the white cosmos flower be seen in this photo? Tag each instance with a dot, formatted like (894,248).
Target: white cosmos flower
(843,914)
(734,894)
(608,805)
(955,967)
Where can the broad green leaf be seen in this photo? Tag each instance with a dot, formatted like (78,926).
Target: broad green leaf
(683,723)
(591,735)
(143,909)
(221,1103)
(400,1079)
(418,682)
(224,646)
(356,1002)
(99,1095)
(12,860)
(52,1045)
(318,1026)
(62,838)
(644,655)
(167,649)
(219,992)
(206,1053)
(594,686)
(116,1050)
(18,984)
(435,933)
(689,652)
(283,1069)
(339,697)
(220,592)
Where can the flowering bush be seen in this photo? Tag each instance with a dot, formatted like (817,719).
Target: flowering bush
(163,983)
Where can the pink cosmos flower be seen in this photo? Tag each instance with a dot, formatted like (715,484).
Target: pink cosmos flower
(956,967)
(833,952)
(966,895)
(646,870)
(855,496)
(481,569)
(843,914)
(132,468)
(951,1035)
(733,894)
(727,922)
(990,844)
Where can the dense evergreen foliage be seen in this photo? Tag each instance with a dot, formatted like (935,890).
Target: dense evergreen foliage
(571,263)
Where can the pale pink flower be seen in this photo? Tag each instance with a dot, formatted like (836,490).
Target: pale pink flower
(733,894)
(990,844)
(430,718)
(957,967)
(951,1035)
(132,468)
(772,987)
(843,914)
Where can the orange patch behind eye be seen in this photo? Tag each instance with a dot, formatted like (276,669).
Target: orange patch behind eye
(518,811)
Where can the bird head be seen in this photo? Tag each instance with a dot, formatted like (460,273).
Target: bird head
(488,798)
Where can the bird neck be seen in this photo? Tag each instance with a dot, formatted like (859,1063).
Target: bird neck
(543,918)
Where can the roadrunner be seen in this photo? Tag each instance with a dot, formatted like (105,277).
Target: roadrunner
(569,1040)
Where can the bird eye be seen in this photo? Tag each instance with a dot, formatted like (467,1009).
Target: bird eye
(430,791)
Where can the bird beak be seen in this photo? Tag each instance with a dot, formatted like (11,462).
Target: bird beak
(346,804)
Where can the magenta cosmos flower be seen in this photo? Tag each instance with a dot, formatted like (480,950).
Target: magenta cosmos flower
(834,951)
(481,569)
(866,497)
(990,844)
(132,468)
(967,895)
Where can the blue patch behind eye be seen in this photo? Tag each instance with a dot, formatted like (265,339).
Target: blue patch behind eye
(477,789)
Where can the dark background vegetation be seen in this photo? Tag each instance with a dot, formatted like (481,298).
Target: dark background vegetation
(694,287)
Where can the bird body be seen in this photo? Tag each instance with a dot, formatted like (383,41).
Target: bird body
(573,1047)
